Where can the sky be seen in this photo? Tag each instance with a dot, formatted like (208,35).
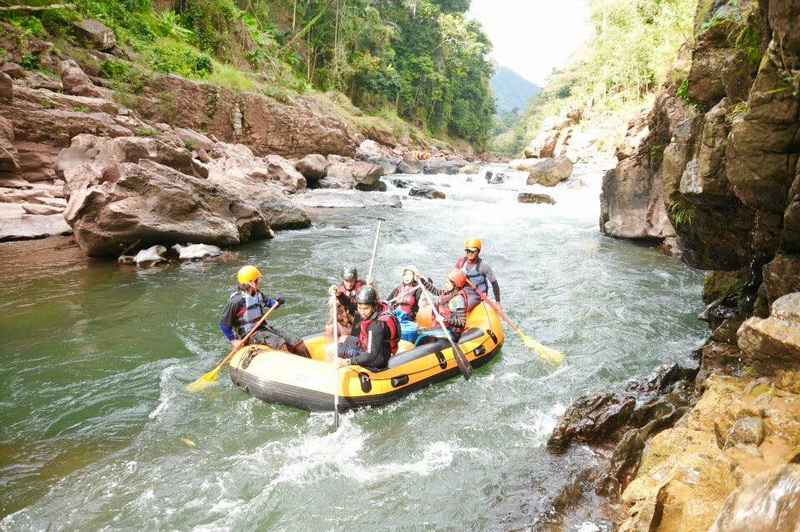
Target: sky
(531,37)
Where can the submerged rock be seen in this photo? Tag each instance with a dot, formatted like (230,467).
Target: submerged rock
(496,179)
(423,191)
(529,197)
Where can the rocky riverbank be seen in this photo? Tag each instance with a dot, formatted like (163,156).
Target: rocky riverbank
(173,160)
(713,168)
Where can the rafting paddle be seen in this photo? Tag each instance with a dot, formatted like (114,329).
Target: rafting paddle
(547,353)
(375,248)
(461,360)
(335,363)
(207,379)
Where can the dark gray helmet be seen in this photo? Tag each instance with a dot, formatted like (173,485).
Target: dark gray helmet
(367,294)
(349,273)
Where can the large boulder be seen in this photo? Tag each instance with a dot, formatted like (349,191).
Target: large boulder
(773,343)
(425,191)
(345,172)
(443,166)
(313,167)
(98,35)
(410,165)
(75,81)
(550,172)
(6,88)
(236,162)
(145,192)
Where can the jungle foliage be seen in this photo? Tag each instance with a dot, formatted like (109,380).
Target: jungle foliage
(422,59)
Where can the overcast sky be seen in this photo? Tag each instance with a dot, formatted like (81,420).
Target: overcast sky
(532,37)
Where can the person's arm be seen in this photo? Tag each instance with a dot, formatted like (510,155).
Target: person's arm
(375,335)
(432,289)
(487,271)
(458,319)
(227,317)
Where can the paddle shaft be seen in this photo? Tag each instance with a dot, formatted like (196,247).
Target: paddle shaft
(335,363)
(247,336)
(492,304)
(461,360)
(374,248)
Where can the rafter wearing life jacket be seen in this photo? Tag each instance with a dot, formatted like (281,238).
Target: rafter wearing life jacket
(472,270)
(350,293)
(383,314)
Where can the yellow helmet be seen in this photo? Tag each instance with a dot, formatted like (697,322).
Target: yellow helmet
(474,243)
(413,270)
(248,274)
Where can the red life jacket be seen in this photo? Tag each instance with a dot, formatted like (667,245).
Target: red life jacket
(409,299)
(351,293)
(443,307)
(388,317)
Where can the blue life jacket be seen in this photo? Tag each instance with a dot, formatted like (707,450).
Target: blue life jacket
(250,313)
(473,274)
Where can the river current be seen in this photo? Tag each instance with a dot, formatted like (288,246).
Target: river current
(99,432)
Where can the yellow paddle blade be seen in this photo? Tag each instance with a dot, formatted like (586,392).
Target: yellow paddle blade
(547,353)
(205,381)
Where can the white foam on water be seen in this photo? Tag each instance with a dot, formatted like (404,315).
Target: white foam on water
(436,456)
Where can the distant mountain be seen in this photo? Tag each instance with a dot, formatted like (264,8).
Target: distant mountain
(512,90)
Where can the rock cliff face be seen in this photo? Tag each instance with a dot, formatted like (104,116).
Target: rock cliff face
(715,163)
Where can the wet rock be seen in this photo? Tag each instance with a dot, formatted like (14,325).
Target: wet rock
(781,276)
(196,251)
(150,256)
(528,197)
(469,169)
(523,165)
(314,166)
(591,418)
(496,179)
(767,503)
(422,191)
(6,88)
(575,184)
(389,165)
(13,70)
(774,343)
(75,81)
(401,183)
(549,172)
(746,431)
(96,34)
(346,199)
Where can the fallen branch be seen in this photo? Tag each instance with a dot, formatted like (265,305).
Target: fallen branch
(37,8)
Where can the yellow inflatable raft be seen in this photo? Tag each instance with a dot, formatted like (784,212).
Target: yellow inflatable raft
(308,383)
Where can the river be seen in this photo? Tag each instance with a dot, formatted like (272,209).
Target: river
(98,431)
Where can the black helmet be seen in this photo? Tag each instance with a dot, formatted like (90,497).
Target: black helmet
(349,273)
(366,294)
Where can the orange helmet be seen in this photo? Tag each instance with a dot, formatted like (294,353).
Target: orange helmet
(458,277)
(473,243)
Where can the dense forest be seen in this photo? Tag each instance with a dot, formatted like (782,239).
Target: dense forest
(420,59)
(615,72)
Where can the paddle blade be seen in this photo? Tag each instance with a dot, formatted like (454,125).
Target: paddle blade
(204,382)
(547,353)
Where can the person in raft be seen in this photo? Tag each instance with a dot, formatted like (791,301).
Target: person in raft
(406,298)
(376,331)
(246,306)
(451,305)
(479,272)
(348,287)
